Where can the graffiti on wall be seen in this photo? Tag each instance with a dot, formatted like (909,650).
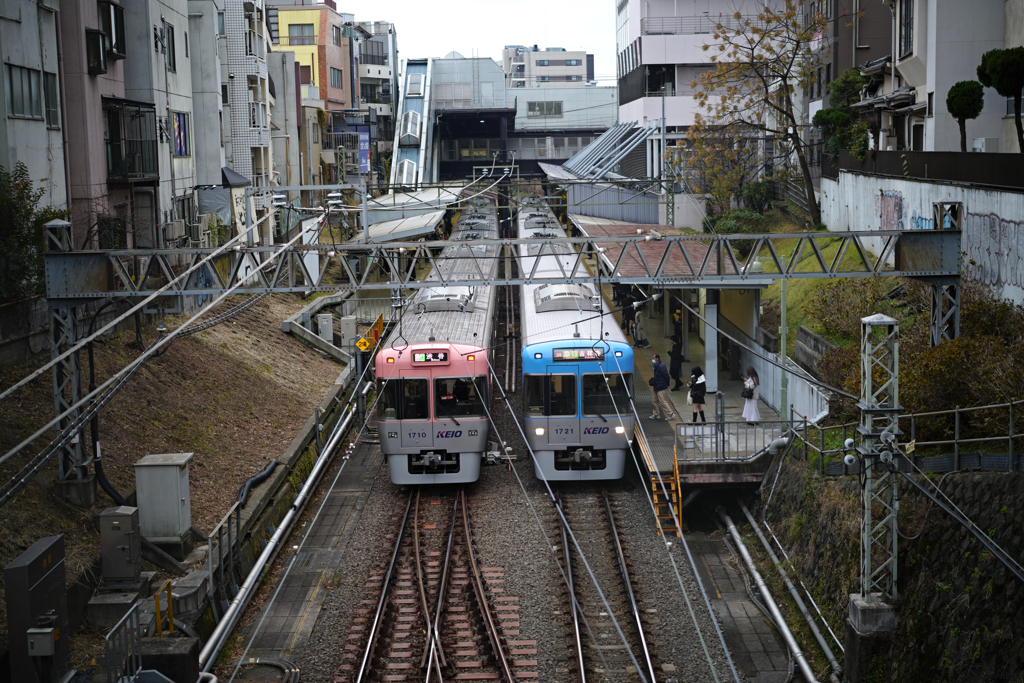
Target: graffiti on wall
(995,247)
(891,209)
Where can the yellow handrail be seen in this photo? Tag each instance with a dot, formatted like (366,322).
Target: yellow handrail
(170,609)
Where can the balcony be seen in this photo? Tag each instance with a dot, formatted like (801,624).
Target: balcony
(692,25)
(254,45)
(130,141)
(310,92)
(293,41)
(258,116)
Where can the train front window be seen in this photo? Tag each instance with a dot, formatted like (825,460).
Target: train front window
(607,399)
(460,397)
(562,395)
(414,399)
(533,393)
(388,403)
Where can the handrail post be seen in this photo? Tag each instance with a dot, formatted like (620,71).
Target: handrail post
(1009,456)
(956,439)
(821,449)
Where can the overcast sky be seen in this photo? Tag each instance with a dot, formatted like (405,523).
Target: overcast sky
(485,27)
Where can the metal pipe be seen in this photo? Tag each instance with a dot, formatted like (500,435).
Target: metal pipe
(787,635)
(836,668)
(234,611)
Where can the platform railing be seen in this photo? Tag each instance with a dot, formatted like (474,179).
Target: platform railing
(124,648)
(222,572)
(725,441)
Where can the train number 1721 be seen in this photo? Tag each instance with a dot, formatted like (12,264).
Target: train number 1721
(563,430)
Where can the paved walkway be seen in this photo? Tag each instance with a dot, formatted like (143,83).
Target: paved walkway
(289,620)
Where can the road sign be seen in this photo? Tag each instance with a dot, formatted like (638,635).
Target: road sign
(363,344)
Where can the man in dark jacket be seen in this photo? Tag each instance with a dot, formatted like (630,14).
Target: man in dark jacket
(659,385)
(675,356)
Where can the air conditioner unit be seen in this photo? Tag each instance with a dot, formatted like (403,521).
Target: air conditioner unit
(174,230)
(985,145)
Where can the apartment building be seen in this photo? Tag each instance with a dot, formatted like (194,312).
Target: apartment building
(937,43)
(323,46)
(32,124)
(531,67)
(210,135)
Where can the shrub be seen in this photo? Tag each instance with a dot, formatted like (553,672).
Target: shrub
(757,196)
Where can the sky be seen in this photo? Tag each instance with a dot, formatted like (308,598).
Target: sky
(483,28)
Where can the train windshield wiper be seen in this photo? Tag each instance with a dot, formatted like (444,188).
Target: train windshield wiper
(441,406)
(603,419)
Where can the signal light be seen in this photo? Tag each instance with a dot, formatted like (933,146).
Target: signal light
(391,360)
(470,357)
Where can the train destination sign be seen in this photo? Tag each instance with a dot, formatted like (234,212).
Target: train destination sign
(576,355)
(430,357)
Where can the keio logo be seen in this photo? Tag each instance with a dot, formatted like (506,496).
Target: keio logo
(595,430)
(452,434)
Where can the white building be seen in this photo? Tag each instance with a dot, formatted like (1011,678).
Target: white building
(531,67)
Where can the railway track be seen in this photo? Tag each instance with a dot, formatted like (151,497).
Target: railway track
(599,652)
(433,619)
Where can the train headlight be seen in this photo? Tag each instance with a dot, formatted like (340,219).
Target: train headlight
(472,432)
(538,356)
(618,354)
(620,430)
(539,431)
(392,435)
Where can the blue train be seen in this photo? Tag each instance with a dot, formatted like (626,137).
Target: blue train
(577,366)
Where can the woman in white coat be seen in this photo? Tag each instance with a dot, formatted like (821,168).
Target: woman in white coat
(753,383)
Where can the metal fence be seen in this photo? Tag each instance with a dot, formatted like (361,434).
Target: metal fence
(966,450)
(365,310)
(692,25)
(614,201)
(718,441)
(976,168)
(124,648)
(228,565)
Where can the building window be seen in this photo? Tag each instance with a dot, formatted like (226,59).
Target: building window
(224,94)
(931,104)
(336,81)
(24,97)
(543,79)
(180,122)
(337,35)
(410,130)
(112,23)
(543,109)
(572,62)
(220,23)
(50,95)
(315,127)
(1009,105)
(95,53)
(414,85)
(272,24)
(906,27)
(572,78)
(406,172)
(301,34)
(305,74)
(172,63)
(541,62)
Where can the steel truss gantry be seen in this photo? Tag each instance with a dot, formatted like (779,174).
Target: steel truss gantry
(879,432)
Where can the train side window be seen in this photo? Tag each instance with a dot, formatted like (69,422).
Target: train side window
(460,397)
(388,405)
(415,399)
(563,395)
(533,394)
(610,399)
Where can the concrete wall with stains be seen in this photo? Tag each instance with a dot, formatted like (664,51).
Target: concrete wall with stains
(993,237)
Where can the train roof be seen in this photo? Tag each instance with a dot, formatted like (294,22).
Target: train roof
(450,312)
(555,312)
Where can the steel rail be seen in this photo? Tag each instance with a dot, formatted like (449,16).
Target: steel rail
(374,632)
(420,581)
(628,584)
(572,596)
(435,652)
(481,596)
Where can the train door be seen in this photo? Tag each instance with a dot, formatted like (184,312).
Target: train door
(563,416)
(415,402)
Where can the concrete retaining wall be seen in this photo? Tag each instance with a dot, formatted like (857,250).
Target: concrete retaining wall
(810,347)
(993,237)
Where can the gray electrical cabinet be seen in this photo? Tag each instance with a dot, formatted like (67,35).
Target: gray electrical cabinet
(325,327)
(34,588)
(348,331)
(161,482)
(121,545)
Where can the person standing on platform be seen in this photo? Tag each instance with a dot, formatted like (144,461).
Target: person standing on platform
(638,330)
(628,314)
(751,385)
(698,388)
(659,385)
(675,357)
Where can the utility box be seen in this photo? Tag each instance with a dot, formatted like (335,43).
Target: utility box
(120,545)
(34,588)
(165,512)
(325,327)
(348,331)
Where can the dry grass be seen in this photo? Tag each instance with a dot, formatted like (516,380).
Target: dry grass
(234,395)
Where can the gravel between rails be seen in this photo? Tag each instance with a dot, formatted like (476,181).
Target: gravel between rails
(509,536)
